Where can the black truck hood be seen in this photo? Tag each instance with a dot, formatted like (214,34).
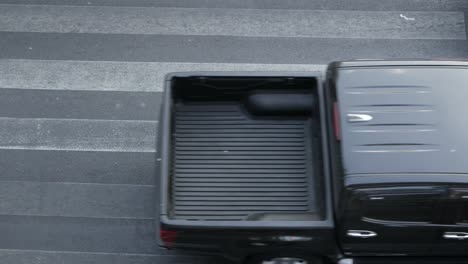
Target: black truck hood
(403,117)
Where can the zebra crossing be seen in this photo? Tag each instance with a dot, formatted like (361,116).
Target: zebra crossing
(80,88)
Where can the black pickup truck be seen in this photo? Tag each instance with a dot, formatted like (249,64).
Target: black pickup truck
(367,164)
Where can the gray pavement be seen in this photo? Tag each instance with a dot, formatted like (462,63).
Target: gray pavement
(80,88)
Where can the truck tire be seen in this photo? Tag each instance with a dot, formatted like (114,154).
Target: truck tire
(283,260)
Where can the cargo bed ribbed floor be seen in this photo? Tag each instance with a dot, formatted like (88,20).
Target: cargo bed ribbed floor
(228,165)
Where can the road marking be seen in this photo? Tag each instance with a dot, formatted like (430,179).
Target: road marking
(232,22)
(4,250)
(78,134)
(116,76)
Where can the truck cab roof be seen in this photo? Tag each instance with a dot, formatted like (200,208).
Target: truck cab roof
(402,121)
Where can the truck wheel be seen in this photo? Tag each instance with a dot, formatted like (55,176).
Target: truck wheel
(282,260)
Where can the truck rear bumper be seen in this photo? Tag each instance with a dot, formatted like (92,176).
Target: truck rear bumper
(240,243)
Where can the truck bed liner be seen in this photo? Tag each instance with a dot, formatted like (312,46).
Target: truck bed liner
(231,164)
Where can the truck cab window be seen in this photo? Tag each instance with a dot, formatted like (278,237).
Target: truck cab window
(464,215)
(461,199)
(400,208)
(399,205)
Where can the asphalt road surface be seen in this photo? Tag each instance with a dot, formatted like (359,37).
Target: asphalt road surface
(80,88)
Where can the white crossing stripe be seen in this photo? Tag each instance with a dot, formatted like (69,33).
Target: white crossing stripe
(233,22)
(116,76)
(78,134)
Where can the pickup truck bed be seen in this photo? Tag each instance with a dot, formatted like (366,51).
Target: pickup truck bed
(245,162)
(245,149)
